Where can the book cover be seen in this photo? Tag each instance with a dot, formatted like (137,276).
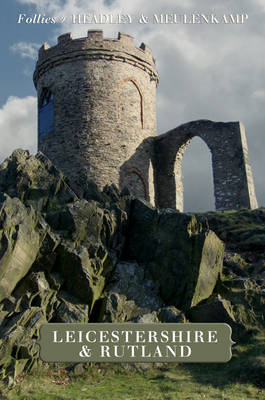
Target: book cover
(145,204)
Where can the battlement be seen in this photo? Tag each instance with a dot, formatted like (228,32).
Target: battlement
(93,47)
(97,120)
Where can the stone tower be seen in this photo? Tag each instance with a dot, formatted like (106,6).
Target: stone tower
(96,107)
(97,120)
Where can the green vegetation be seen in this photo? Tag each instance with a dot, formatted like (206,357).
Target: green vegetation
(239,379)
(107,257)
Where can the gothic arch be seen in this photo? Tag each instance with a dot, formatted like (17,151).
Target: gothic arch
(233,182)
(197,177)
(135,182)
(118,90)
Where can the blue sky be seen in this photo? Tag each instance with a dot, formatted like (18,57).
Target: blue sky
(16,72)
(206,72)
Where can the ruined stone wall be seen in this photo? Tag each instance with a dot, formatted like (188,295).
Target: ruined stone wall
(101,124)
(104,108)
(233,182)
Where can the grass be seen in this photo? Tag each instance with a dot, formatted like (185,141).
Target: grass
(235,380)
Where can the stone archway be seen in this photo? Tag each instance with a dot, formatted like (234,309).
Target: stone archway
(233,182)
(197,177)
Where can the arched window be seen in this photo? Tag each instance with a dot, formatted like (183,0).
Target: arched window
(46,113)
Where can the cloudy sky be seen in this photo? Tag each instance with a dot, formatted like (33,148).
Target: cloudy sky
(207,71)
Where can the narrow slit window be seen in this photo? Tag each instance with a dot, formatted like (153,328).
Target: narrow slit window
(46,113)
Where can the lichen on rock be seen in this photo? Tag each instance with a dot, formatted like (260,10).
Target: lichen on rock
(70,255)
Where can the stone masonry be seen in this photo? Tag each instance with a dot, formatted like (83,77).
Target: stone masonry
(233,182)
(103,124)
(104,107)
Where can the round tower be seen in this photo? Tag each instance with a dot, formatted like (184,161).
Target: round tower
(96,109)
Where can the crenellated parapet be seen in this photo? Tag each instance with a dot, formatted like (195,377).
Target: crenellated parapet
(97,120)
(96,106)
(95,47)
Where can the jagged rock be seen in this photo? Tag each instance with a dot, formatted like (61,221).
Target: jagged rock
(107,257)
(134,281)
(147,318)
(184,258)
(217,310)
(22,231)
(84,277)
(242,306)
(87,189)
(70,310)
(86,224)
(235,265)
(57,266)
(18,335)
(130,293)
(171,315)
(34,291)
(247,298)
(34,180)
(115,307)
(241,230)
(46,256)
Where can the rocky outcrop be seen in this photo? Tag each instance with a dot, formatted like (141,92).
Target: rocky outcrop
(22,232)
(184,257)
(130,294)
(72,255)
(35,181)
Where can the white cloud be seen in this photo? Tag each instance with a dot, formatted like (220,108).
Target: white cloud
(26,49)
(43,5)
(69,7)
(206,71)
(259,95)
(261,4)
(18,125)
